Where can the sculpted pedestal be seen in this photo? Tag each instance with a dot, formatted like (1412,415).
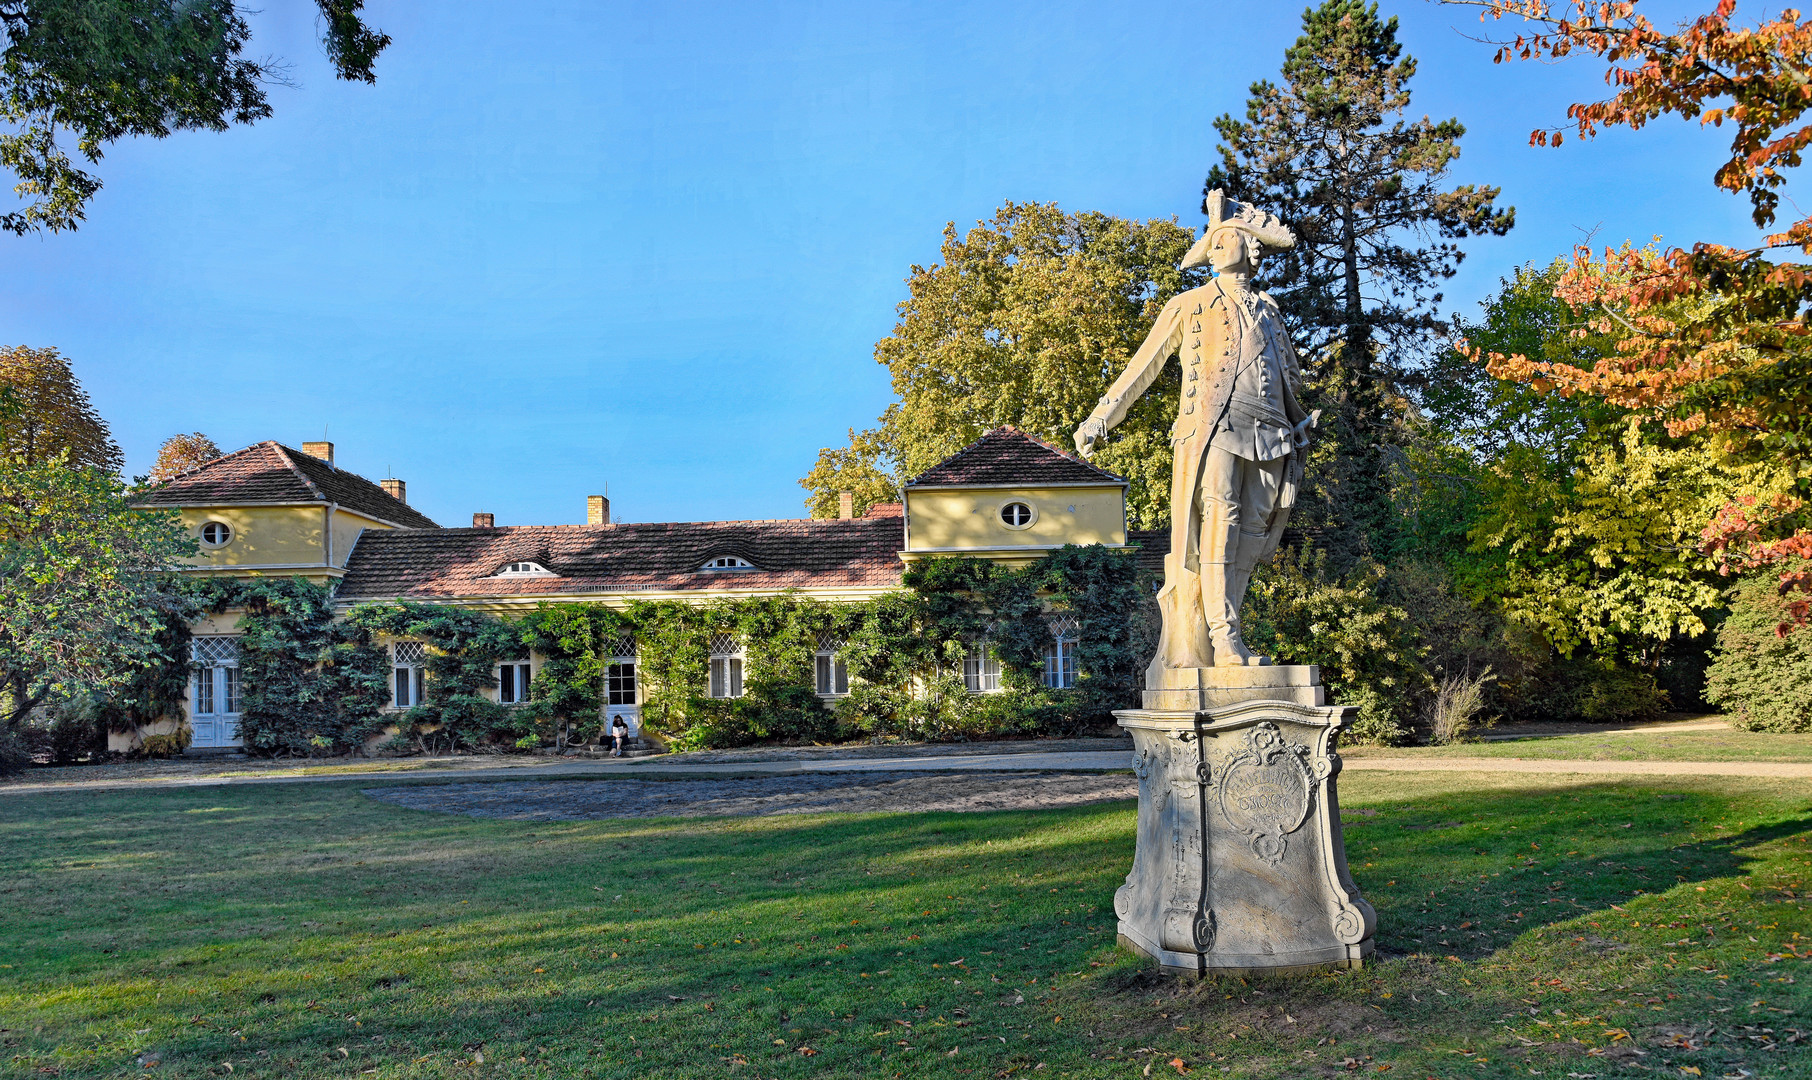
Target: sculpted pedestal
(1240,865)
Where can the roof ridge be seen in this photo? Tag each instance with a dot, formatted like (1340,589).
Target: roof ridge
(283,452)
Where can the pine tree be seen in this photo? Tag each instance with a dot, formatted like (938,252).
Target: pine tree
(1330,153)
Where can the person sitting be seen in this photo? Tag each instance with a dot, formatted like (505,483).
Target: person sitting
(619,734)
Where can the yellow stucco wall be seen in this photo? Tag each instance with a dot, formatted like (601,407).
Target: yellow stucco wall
(969,518)
(262,535)
(346,529)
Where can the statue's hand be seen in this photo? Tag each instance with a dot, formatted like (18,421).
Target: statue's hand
(1301,433)
(1092,431)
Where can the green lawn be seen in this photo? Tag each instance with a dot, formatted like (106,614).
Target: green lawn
(1529,925)
(1676,746)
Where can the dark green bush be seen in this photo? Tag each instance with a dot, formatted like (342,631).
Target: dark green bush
(1762,679)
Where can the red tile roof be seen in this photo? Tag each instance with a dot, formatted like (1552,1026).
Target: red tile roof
(269,472)
(628,556)
(1007,456)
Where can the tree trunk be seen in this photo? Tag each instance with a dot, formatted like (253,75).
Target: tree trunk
(1355,317)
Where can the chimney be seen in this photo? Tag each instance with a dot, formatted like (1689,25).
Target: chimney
(846,505)
(396,489)
(597,510)
(322,450)
(484,521)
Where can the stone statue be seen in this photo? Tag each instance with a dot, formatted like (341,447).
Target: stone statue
(1239,864)
(1239,437)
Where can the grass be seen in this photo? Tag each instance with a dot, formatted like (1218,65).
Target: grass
(1678,746)
(1550,926)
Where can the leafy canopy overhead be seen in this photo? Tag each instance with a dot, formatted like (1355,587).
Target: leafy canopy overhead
(1026,321)
(104,70)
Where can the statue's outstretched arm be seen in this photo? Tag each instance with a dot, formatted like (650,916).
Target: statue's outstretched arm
(1165,338)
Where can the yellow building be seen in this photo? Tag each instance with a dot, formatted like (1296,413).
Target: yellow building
(1012,497)
(271,510)
(266,510)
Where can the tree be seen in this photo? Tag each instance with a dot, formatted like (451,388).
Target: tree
(1359,188)
(108,69)
(180,453)
(1365,192)
(1712,339)
(47,414)
(1026,321)
(82,594)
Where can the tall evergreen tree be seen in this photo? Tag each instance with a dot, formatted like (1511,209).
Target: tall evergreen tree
(1330,152)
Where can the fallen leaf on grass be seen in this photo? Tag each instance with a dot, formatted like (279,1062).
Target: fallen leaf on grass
(1179,1065)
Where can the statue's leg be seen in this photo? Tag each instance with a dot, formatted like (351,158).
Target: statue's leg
(1264,480)
(1221,513)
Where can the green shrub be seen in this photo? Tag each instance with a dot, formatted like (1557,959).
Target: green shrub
(1370,654)
(1762,679)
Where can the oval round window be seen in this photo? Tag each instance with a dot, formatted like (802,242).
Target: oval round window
(216,533)
(1016,515)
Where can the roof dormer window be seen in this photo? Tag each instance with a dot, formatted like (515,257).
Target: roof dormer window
(726,562)
(524,568)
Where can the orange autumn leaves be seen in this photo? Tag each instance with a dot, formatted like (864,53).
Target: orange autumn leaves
(1711,339)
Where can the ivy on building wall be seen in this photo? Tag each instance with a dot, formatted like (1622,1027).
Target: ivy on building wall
(464,649)
(311,683)
(308,684)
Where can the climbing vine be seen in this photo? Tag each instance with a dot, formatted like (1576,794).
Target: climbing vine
(308,684)
(311,683)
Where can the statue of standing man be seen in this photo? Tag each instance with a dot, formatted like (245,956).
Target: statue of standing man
(1240,435)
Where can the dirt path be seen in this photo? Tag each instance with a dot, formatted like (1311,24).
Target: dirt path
(798,793)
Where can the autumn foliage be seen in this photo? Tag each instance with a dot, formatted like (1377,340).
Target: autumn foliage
(1711,339)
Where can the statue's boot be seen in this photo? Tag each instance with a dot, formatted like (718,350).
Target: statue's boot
(1220,604)
(1251,547)
(1223,617)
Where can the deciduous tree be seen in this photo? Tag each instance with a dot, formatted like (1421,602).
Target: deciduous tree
(1026,321)
(1715,338)
(180,453)
(45,413)
(82,597)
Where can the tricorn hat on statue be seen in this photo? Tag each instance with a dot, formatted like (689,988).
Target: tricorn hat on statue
(1261,226)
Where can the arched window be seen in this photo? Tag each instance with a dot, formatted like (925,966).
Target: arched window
(1060,653)
(727,562)
(524,568)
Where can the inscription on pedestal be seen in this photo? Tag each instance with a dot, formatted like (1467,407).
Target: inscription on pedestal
(1266,790)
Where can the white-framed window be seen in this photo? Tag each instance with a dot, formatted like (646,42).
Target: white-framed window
(216,662)
(1060,653)
(619,678)
(832,672)
(1017,514)
(981,669)
(216,534)
(409,668)
(726,667)
(727,562)
(513,678)
(523,568)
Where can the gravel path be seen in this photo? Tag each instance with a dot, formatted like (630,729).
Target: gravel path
(795,793)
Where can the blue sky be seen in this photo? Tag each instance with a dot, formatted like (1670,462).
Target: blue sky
(565,245)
